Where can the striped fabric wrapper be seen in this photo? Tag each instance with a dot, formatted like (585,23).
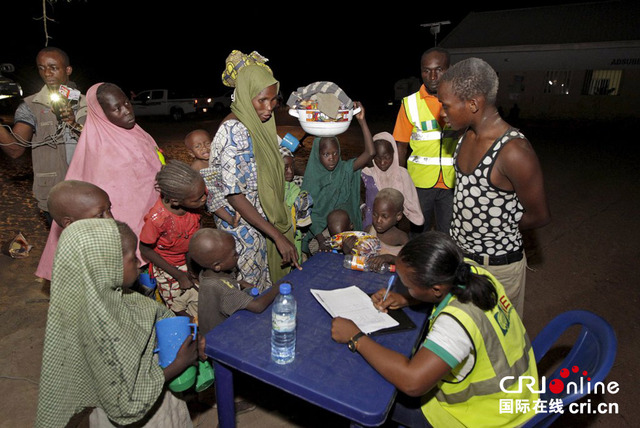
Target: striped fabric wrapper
(322,87)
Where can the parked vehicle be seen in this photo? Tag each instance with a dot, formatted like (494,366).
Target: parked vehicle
(215,105)
(163,102)
(10,94)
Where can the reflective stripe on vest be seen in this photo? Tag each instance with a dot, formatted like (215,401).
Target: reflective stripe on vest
(497,357)
(431,147)
(430,161)
(502,350)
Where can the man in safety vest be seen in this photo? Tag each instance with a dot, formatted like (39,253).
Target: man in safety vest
(420,128)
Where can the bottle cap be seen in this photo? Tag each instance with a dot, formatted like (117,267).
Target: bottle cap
(285,288)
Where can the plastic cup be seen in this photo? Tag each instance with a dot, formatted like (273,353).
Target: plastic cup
(185,380)
(290,142)
(145,280)
(147,284)
(205,377)
(171,333)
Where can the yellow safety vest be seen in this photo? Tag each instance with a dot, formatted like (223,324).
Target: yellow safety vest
(431,146)
(502,351)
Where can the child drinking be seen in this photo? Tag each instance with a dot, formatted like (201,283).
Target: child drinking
(334,183)
(100,337)
(298,201)
(198,143)
(221,294)
(387,172)
(475,337)
(387,213)
(169,225)
(72,200)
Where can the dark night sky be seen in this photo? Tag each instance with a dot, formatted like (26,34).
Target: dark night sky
(183,45)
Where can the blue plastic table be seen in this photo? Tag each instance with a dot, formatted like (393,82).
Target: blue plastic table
(324,372)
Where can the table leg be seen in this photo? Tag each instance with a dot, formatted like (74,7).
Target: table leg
(225,396)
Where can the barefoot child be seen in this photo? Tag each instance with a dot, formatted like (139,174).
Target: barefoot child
(72,200)
(334,183)
(198,143)
(387,213)
(169,225)
(100,337)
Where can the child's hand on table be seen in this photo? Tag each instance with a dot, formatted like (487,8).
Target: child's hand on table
(343,329)
(376,262)
(348,243)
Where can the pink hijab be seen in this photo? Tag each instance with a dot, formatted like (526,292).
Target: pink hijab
(123,162)
(398,178)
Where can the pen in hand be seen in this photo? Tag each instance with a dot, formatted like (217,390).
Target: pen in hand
(386,293)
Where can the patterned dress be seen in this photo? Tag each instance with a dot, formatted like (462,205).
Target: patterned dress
(232,155)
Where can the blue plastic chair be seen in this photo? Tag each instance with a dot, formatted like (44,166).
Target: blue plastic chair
(594,352)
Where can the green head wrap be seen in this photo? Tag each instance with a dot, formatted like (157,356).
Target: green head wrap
(251,80)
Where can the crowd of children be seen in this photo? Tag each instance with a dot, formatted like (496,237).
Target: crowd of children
(201,272)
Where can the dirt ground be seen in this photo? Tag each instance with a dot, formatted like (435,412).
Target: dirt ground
(587,258)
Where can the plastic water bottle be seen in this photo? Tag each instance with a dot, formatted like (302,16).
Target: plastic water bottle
(252,291)
(360,263)
(283,326)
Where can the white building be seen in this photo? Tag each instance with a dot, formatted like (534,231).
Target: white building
(577,61)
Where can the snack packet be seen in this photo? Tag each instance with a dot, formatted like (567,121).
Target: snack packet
(366,245)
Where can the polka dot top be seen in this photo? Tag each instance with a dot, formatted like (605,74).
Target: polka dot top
(485,218)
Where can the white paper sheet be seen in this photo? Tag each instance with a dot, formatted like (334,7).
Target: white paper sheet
(354,304)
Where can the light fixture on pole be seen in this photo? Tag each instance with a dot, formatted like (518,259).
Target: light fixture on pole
(434,28)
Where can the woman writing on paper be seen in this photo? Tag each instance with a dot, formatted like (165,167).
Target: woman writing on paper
(475,339)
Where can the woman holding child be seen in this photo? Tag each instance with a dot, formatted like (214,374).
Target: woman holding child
(245,151)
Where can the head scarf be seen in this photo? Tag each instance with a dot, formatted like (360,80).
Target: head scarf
(250,80)
(398,178)
(330,190)
(99,340)
(237,60)
(122,162)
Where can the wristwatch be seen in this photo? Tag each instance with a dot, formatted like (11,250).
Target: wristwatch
(353,342)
